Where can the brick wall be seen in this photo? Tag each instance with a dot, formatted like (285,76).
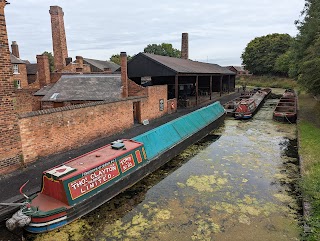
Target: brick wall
(25,101)
(50,131)
(22,76)
(150,108)
(172,106)
(135,89)
(10,145)
(76,67)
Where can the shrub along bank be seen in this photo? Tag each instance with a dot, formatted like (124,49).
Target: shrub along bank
(309,150)
(267,81)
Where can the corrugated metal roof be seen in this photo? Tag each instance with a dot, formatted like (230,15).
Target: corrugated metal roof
(102,64)
(85,88)
(186,66)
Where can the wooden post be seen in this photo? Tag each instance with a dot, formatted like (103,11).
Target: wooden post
(176,82)
(210,87)
(229,84)
(197,89)
(221,85)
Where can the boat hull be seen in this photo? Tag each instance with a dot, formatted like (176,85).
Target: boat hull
(127,181)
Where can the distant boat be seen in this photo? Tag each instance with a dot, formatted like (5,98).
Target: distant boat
(78,186)
(286,109)
(232,105)
(248,107)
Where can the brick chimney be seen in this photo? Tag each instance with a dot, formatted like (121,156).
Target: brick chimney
(124,74)
(43,70)
(10,148)
(59,41)
(15,49)
(185,46)
(79,60)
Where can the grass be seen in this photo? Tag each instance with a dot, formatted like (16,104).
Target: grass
(267,81)
(309,140)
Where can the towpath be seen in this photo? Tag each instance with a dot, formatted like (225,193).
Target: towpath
(10,184)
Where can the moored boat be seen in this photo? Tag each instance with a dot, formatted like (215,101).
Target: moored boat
(286,109)
(78,186)
(248,107)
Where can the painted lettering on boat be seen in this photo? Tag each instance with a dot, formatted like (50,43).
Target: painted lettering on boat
(93,180)
(126,163)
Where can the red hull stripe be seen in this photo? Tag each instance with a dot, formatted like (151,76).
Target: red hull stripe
(47,219)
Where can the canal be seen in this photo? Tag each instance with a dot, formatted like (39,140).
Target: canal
(239,183)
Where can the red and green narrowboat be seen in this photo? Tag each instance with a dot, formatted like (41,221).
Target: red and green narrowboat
(246,108)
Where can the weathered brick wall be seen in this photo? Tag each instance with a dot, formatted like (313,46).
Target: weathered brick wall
(22,76)
(25,101)
(172,106)
(150,108)
(135,89)
(73,67)
(50,131)
(10,145)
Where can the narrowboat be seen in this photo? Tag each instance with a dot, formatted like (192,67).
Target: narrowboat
(286,109)
(248,107)
(78,186)
(232,105)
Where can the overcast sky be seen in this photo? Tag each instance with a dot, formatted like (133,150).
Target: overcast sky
(218,30)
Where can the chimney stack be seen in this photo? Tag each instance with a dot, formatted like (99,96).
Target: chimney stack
(79,60)
(43,70)
(15,49)
(185,46)
(124,74)
(59,41)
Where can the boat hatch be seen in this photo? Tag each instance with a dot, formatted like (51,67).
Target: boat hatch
(117,145)
(61,171)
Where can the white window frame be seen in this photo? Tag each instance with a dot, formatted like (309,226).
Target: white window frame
(15,68)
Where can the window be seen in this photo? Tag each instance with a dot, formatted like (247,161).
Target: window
(17,84)
(16,69)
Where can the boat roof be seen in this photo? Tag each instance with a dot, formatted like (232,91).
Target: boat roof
(92,159)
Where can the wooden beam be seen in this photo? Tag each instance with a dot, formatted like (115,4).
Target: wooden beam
(229,83)
(221,85)
(197,88)
(210,87)
(176,83)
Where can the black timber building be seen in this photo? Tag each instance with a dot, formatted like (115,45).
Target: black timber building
(185,78)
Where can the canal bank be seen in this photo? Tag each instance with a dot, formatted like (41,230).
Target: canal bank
(239,186)
(10,184)
(309,151)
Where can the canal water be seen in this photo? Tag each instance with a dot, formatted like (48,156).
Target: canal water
(239,183)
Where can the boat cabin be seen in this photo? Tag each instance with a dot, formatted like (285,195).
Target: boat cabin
(82,177)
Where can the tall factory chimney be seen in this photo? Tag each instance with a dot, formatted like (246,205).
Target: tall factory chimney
(185,46)
(59,41)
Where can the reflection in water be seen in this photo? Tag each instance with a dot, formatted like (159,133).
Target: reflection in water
(240,186)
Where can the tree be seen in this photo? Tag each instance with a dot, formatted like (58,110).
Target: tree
(51,60)
(307,48)
(163,49)
(117,60)
(261,53)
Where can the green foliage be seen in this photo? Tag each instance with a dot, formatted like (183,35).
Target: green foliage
(307,48)
(117,60)
(163,49)
(261,53)
(51,60)
(267,81)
